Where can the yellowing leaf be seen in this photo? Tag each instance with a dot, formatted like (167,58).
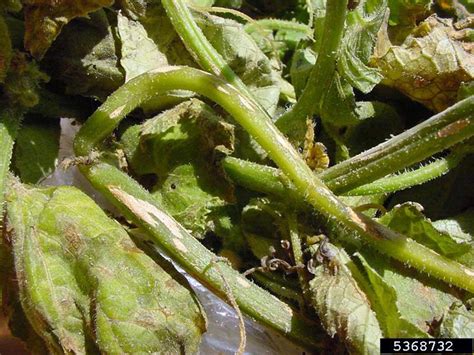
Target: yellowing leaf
(83,282)
(429,65)
(344,308)
(44,20)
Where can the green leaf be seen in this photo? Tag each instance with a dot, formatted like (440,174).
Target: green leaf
(409,220)
(139,53)
(338,105)
(36,150)
(363,25)
(301,64)
(420,69)
(44,20)
(263,226)
(245,58)
(84,57)
(83,281)
(48,290)
(236,4)
(458,322)
(181,147)
(420,300)
(407,11)
(379,122)
(460,228)
(10,120)
(384,301)
(343,308)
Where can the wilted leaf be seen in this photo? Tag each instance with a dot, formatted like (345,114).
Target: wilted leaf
(458,322)
(36,150)
(384,301)
(409,220)
(263,226)
(48,290)
(84,58)
(44,20)
(181,146)
(429,65)
(420,300)
(245,58)
(379,122)
(228,37)
(338,105)
(460,228)
(139,53)
(363,25)
(344,309)
(82,279)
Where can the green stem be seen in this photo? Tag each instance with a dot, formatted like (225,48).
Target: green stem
(434,135)
(140,207)
(279,286)
(292,122)
(259,177)
(397,246)
(10,120)
(278,24)
(409,178)
(198,45)
(259,125)
(298,255)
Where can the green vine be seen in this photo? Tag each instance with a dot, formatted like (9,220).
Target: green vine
(409,179)
(292,123)
(257,123)
(434,135)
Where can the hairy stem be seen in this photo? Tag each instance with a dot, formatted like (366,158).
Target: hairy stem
(140,207)
(198,45)
(397,246)
(10,120)
(257,123)
(410,178)
(434,135)
(279,286)
(292,123)
(278,24)
(298,255)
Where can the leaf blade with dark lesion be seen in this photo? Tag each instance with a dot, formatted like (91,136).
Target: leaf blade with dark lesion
(83,280)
